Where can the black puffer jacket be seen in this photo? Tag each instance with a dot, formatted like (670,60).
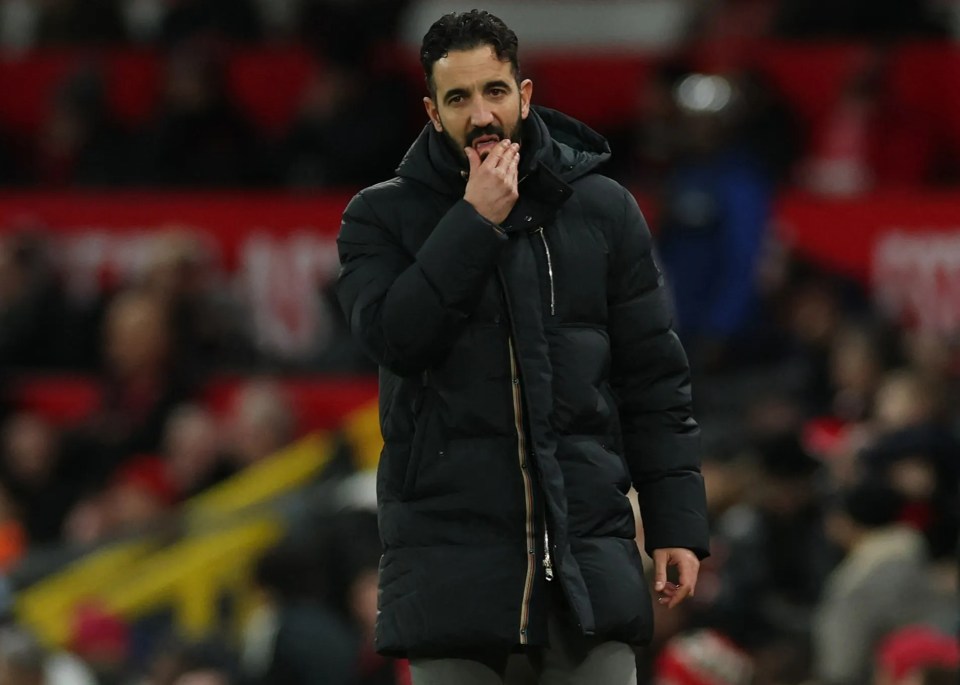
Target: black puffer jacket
(527,379)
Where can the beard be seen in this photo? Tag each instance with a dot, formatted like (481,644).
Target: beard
(492,130)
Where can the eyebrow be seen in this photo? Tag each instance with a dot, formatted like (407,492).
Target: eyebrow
(499,83)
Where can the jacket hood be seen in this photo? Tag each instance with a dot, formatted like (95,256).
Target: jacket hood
(569,148)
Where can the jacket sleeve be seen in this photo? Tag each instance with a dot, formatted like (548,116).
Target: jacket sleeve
(406,311)
(651,378)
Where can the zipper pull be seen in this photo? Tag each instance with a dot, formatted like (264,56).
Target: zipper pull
(547,562)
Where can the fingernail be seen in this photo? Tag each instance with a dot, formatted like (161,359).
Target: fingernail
(659,585)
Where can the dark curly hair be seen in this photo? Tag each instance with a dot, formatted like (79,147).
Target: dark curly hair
(465,31)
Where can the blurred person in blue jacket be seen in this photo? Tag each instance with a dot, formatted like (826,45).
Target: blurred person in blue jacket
(716,207)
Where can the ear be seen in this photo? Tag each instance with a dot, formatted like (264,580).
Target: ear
(526,95)
(433,113)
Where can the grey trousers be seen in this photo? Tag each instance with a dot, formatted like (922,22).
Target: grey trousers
(571,659)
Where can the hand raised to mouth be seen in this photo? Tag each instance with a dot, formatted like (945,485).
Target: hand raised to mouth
(492,185)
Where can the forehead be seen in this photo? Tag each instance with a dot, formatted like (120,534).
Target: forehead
(469,68)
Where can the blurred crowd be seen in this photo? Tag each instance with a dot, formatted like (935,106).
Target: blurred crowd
(359,110)
(199,136)
(831,433)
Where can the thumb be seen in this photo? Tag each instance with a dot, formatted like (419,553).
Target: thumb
(473,158)
(659,570)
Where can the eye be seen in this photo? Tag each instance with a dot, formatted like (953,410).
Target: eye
(454,99)
(498,92)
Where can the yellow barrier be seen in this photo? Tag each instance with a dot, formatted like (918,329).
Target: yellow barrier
(47,606)
(258,483)
(136,578)
(192,574)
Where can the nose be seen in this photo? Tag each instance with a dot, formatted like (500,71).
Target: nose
(481,115)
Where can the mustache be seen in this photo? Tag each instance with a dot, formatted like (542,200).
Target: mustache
(490,130)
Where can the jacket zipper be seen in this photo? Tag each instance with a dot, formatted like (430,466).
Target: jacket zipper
(546,249)
(527,495)
(547,561)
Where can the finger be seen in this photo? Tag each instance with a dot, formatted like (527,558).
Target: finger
(682,593)
(688,571)
(497,154)
(659,570)
(511,153)
(513,171)
(473,158)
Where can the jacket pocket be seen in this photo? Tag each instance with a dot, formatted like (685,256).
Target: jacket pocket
(418,444)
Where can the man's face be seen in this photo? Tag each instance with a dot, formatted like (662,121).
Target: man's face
(478,101)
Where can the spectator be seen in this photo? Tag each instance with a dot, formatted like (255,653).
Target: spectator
(859,355)
(260,423)
(804,307)
(137,497)
(907,400)
(142,383)
(916,453)
(200,138)
(768,125)
(80,143)
(715,215)
(32,307)
(208,330)
(878,587)
(36,479)
(352,126)
(646,149)
(192,450)
(773,548)
(326,585)
(306,641)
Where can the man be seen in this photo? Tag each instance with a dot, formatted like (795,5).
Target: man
(529,375)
